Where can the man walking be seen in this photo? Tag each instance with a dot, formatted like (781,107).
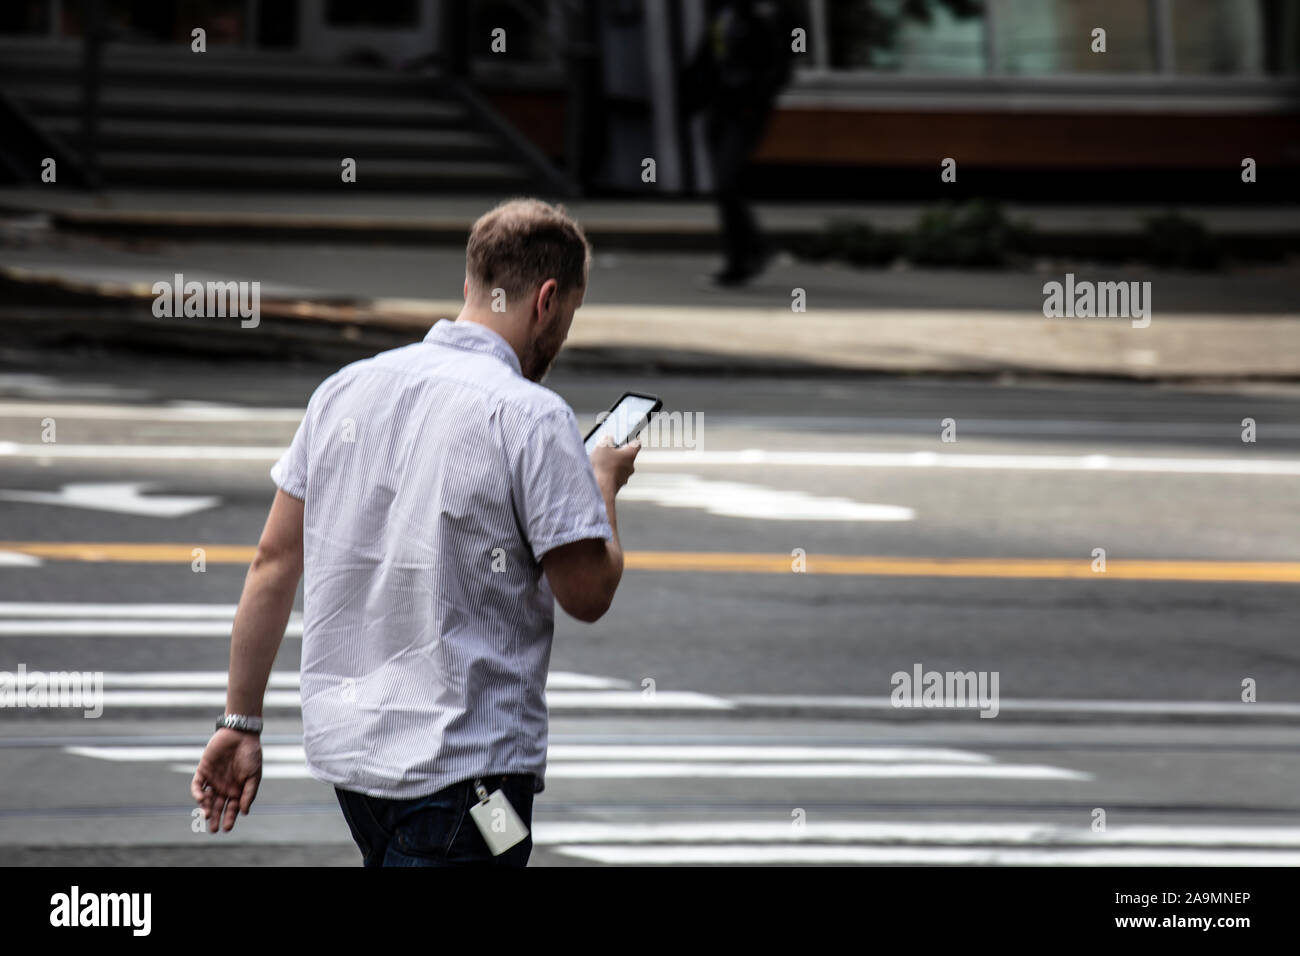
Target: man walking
(439,501)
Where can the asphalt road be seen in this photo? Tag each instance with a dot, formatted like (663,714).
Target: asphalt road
(728,709)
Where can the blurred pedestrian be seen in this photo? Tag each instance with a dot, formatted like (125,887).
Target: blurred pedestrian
(735,77)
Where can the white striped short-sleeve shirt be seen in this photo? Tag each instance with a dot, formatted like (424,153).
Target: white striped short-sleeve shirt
(434,478)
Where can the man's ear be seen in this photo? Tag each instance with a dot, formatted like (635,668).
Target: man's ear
(548,301)
(465,291)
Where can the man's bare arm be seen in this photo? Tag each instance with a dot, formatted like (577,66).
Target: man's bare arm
(265,606)
(230,770)
(585,574)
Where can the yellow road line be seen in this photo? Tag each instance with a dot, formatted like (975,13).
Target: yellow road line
(723,562)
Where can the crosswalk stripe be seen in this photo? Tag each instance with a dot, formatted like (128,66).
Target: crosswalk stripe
(932,856)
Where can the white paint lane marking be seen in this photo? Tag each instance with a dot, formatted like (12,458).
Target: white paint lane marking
(647,770)
(636,700)
(933,856)
(177,680)
(9,449)
(218,412)
(15,559)
(272,753)
(1229,429)
(63,609)
(177,412)
(568,680)
(189,693)
(122,497)
(1168,707)
(126,628)
(919,833)
(577,753)
(783,771)
(930,459)
(679,459)
(191,698)
(733,499)
(270,771)
(558,700)
(762,752)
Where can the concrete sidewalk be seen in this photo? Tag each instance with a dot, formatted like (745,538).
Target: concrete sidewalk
(646,311)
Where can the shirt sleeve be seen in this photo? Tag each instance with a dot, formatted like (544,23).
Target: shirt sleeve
(290,472)
(559,501)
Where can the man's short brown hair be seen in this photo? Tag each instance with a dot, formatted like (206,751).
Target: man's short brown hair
(522,243)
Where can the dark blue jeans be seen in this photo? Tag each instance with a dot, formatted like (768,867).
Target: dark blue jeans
(436,830)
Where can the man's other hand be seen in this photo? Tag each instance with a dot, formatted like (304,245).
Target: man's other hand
(229,774)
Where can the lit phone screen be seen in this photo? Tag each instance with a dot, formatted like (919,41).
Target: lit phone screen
(625,416)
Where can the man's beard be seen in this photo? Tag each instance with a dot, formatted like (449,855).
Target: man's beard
(540,354)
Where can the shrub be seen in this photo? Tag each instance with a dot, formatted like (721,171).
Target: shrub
(974,234)
(1172,239)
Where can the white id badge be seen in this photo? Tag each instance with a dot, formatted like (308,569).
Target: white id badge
(497,821)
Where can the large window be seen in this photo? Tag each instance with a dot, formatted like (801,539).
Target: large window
(1219,36)
(1054,37)
(907,36)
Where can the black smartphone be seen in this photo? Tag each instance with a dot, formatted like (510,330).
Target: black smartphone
(624,420)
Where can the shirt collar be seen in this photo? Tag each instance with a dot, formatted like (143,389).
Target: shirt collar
(473,337)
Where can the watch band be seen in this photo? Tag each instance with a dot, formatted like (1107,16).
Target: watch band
(247,725)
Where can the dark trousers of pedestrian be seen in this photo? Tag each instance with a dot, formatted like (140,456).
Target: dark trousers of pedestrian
(436,830)
(732,137)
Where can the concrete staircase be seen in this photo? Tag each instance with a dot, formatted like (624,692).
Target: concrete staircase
(258,119)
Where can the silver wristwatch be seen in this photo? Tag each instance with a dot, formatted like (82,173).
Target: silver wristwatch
(248,725)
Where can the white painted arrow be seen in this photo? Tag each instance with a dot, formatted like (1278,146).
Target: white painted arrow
(123,497)
(733,499)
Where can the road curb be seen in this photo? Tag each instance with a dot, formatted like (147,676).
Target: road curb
(607,234)
(49,310)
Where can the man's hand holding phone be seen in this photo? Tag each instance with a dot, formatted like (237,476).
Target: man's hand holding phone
(613,466)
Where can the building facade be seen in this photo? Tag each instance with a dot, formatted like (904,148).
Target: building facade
(1019,92)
